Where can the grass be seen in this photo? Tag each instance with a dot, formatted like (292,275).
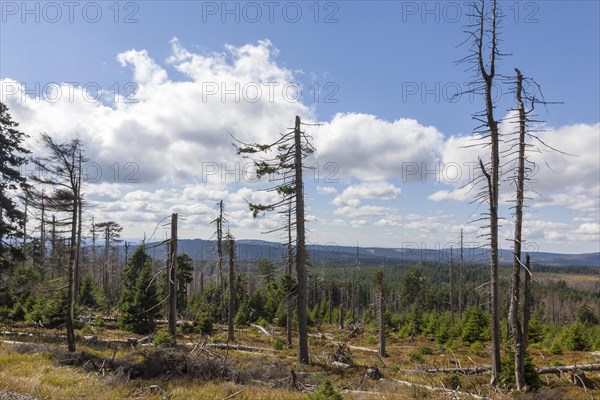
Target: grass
(41,374)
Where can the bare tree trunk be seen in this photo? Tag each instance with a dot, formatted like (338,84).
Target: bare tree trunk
(515,323)
(451,289)
(94,272)
(53,242)
(303,356)
(330,305)
(288,299)
(71,291)
(526,303)
(106,261)
(79,223)
(341,316)
(382,351)
(201,282)
(173,279)
(24,231)
(492,177)
(220,255)
(43,237)
(231,313)
(460,278)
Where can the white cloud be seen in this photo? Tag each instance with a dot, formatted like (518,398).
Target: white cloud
(175,130)
(171,152)
(371,149)
(368,190)
(326,190)
(358,223)
(361,211)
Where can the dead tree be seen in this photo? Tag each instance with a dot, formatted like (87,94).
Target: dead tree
(172,306)
(231,311)
(451,288)
(292,147)
(220,260)
(112,233)
(77,277)
(379,280)
(460,278)
(523,168)
(60,171)
(526,302)
(484,40)
(289,304)
(513,316)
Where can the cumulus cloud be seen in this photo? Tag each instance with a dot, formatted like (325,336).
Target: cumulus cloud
(371,149)
(167,148)
(173,130)
(326,190)
(368,190)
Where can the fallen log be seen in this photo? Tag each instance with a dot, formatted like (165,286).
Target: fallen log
(462,371)
(13,342)
(570,368)
(241,347)
(340,364)
(362,349)
(263,330)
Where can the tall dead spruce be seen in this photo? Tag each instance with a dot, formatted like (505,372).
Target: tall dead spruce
(60,172)
(285,170)
(519,147)
(482,59)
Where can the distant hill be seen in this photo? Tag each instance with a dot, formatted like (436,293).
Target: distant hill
(253,250)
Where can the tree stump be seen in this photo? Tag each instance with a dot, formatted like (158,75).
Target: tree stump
(373,373)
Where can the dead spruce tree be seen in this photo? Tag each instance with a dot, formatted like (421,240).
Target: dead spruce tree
(482,60)
(112,233)
(172,274)
(231,310)
(513,314)
(379,280)
(519,147)
(285,170)
(60,172)
(220,259)
(289,306)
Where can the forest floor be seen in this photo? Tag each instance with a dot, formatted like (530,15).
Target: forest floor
(112,365)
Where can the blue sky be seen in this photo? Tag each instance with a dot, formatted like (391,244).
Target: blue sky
(384,72)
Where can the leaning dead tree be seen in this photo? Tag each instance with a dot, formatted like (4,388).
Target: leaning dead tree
(285,170)
(482,60)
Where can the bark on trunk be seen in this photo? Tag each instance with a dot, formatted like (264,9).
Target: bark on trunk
(303,357)
(526,303)
(492,176)
(231,313)
(514,319)
(173,279)
(71,291)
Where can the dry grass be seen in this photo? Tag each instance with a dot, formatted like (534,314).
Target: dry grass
(38,371)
